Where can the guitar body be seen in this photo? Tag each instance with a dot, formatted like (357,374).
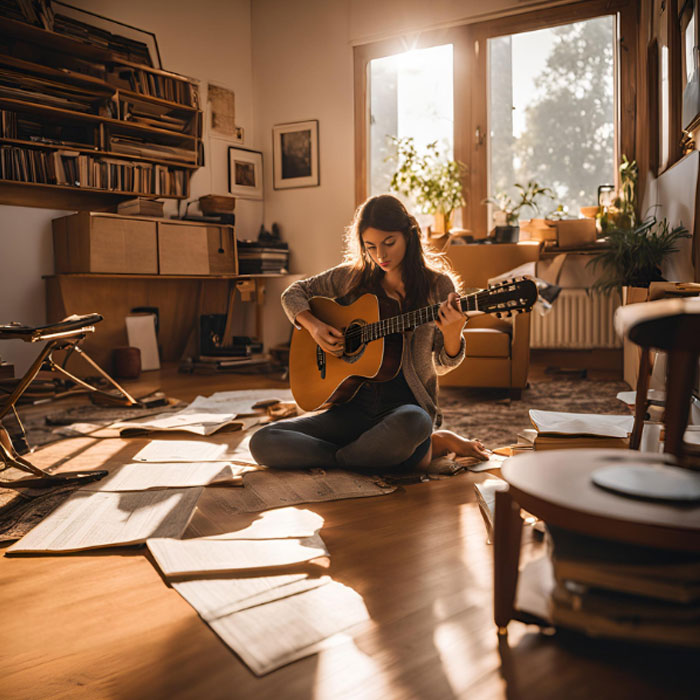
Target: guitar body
(373,340)
(318,378)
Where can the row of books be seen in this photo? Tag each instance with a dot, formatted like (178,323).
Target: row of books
(616,589)
(132,145)
(558,430)
(153,115)
(129,49)
(61,167)
(155,85)
(36,12)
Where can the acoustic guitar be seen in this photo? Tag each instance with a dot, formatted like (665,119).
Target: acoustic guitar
(373,343)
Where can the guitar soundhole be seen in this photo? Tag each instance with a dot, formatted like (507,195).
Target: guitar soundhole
(353,341)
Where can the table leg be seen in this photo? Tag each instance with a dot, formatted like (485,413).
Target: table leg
(506,551)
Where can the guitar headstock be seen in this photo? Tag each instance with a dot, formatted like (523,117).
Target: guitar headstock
(508,297)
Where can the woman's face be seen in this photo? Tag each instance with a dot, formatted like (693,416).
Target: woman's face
(387,249)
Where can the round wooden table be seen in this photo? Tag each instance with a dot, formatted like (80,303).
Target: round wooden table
(556,486)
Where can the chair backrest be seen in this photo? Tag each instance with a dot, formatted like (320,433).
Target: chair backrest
(476,264)
(672,325)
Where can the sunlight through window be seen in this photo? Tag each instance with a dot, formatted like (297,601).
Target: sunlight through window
(552,111)
(411,94)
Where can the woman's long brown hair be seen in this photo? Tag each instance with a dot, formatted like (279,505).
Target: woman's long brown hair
(420,266)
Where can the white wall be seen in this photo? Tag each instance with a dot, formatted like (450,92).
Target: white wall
(209,40)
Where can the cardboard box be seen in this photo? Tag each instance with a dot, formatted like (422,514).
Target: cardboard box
(104,243)
(196,249)
(574,233)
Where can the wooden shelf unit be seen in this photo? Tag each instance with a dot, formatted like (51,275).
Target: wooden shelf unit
(82,127)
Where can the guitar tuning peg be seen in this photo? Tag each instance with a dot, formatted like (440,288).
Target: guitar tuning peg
(509,314)
(498,314)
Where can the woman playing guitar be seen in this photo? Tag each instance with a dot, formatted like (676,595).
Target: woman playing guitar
(387,425)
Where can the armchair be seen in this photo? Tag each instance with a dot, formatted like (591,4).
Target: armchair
(498,350)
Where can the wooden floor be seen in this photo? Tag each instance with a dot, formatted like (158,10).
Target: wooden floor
(106,625)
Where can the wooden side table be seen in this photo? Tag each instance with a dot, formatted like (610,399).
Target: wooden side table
(556,486)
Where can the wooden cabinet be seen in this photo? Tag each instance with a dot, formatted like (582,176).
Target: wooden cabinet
(83,127)
(97,242)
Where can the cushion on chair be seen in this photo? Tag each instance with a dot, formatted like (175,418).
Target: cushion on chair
(487,342)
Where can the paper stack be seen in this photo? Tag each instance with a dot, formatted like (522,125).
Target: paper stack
(620,590)
(557,430)
(260,586)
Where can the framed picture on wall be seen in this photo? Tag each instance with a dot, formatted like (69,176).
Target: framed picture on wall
(295,155)
(245,173)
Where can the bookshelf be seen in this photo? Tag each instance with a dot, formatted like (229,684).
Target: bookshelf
(84,126)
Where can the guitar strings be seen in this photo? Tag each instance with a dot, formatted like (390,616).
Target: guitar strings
(494,295)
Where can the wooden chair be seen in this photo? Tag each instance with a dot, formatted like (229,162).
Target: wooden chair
(672,325)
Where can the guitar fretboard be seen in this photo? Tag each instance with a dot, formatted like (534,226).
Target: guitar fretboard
(412,319)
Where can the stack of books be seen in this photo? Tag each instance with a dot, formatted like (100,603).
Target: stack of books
(140,206)
(557,430)
(620,590)
(256,258)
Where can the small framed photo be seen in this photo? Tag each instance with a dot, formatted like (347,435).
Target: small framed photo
(295,155)
(245,173)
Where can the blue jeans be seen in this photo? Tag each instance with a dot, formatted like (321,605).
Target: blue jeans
(347,436)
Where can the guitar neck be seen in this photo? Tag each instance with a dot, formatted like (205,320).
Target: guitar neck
(412,319)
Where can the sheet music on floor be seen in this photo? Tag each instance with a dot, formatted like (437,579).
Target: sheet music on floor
(159,475)
(203,556)
(561,423)
(208,414)
(89,520)
(277,524)
(183,451)
(265,489)
(213,598)
(290,628)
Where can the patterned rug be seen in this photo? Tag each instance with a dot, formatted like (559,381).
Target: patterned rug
(487,414)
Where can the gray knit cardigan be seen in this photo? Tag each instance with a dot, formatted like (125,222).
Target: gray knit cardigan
(424,356)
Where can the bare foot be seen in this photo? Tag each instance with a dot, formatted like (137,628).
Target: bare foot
(445,441)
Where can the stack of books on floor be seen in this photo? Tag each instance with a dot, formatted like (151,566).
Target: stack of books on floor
(557,430)
(615,589)
(258,258)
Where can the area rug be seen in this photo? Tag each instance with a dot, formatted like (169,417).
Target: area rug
(495,419)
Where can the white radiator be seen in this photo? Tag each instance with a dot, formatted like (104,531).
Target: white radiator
(578,320)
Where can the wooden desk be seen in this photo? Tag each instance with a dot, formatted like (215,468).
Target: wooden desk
(556,486)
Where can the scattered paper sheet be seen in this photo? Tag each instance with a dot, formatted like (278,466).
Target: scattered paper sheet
(272,635)
(182,451)
(142,477)
(216,597)
(272,488)
(209,555)
(560,423)
(475,465)
(207,414)
(104,519)
(275,524)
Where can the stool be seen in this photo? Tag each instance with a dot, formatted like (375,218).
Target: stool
(64,335)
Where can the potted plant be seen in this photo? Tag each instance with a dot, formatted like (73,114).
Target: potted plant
(633,256)
(435,183)
(621,214)
(506,218)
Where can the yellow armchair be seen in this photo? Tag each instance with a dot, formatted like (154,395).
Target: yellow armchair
(498,350)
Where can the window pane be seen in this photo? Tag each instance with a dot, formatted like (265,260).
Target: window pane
(410,95)
(551,112)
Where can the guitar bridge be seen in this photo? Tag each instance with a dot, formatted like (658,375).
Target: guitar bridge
(321,361)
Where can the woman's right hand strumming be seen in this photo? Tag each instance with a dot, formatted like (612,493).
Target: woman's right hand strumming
(330,339)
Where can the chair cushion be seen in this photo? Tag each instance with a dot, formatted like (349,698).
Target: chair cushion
(487,342)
